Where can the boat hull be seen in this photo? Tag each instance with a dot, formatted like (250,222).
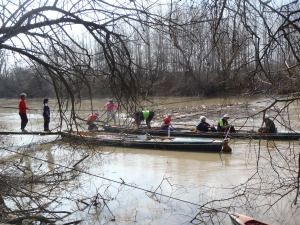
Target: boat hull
(172,144)
(188,133)
(239,219)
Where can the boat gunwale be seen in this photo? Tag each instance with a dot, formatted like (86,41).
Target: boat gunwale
(183,133)
(212,146)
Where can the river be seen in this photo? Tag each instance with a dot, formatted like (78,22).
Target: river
(183,181)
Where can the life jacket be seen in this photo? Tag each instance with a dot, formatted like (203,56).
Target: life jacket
(146,114)
(223,122)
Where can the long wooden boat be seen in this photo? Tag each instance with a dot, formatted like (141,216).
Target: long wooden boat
(148,142)
(282,135)
(239,219)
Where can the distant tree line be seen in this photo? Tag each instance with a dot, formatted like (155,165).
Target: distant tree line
(212,48)
(130,50)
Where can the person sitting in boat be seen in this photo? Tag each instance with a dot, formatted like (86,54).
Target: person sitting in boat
(269,126)
(144,115)
(223,125)
(203,126)
(90,121)
(166,123)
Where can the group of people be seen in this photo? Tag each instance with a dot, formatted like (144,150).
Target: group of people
(145,115)
(110,108)
(23,113)
(223,126)
(202,126)
(148,116)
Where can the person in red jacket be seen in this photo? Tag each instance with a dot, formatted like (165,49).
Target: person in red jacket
(90,121)
(22,112)
(166,123)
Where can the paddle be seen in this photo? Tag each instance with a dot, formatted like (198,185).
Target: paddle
(226,148)
(228,132)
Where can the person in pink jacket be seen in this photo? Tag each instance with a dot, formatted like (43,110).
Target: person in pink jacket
(110,111)
(22,112)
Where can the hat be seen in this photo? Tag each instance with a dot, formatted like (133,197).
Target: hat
(111,100)
(226,115)
(202,117)
(266,116)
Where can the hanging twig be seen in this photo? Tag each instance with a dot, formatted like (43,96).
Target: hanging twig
(296,198)
(81,160)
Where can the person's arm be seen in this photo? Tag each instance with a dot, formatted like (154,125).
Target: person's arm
(115,107)
(25,105)
(48,111)
(198,126)
(203,127)
(226,126)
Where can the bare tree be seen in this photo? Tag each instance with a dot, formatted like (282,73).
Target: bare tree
(76,45)
(45,35)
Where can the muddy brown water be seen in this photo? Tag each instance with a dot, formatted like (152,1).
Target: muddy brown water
(189,179)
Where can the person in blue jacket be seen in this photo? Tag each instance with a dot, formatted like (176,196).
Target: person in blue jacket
(203,126)
(46,114)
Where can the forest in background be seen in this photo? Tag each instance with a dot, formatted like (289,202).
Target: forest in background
(130,50)
(199,48)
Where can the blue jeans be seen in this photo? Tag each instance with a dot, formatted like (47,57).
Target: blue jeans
(167,128)
(110,114)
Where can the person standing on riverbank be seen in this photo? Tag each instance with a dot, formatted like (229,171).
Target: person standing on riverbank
(22,112)
(46,114)
(223,125)
(110,111)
